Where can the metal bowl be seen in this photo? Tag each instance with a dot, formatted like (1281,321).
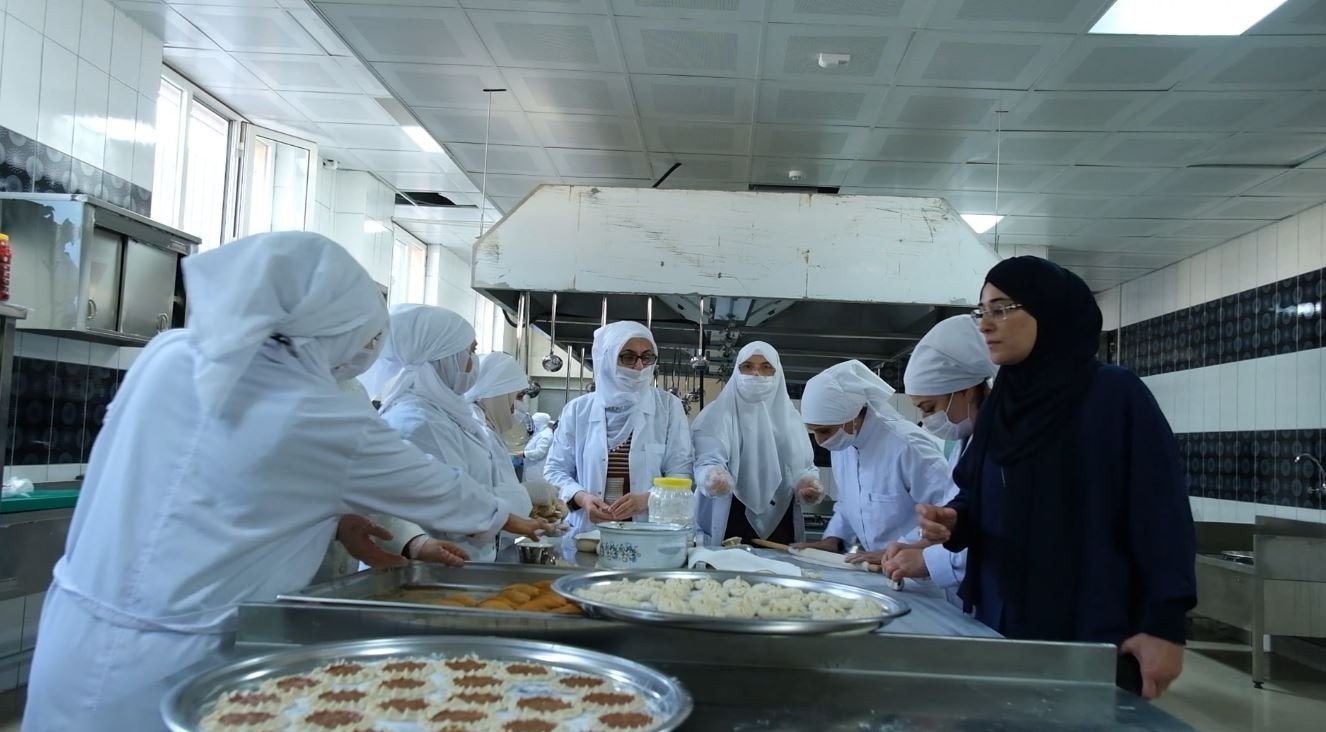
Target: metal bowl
(535,552)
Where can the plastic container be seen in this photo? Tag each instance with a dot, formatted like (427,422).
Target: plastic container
(6,263)
(671,501)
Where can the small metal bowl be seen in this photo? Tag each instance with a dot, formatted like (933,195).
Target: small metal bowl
(531,552)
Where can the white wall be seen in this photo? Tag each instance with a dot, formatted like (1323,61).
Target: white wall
(1273,393)
(354,209)
(81,77)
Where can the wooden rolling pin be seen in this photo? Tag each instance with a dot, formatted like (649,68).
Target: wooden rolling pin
(785,548)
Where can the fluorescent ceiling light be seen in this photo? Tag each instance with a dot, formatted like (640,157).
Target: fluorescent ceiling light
(1184,17)
(981,223)
(373,227)
(421,138)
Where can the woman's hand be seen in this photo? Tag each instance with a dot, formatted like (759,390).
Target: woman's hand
(525,526)
(907,561)
(426,549)
(937,523)
(356,534)
(809,491)
(630,506)
(720,482)
(599,510)
(1161,662)
(869,557)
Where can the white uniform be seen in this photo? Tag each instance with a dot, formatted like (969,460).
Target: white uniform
(652,418)
(536,450)
(892,466)
(225,460)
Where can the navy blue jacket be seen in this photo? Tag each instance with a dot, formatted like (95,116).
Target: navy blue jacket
(1136,548)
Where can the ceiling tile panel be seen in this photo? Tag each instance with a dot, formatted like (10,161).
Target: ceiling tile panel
(891,13)
(586,131)
(1181,246)
(408,34)
(922,145)
(1161,207)
(1047,110)
(933,108)
(1221,230)
(694,98)
(899,175)
(986,60)
(814,142)
(1088,179)
(446,86)
(1017,178)
(1122,227)
(1040,225)
(369,137)
(167,24)
(1213,181)
(696,137)
(690,47)
(1169,150)
(1028,16)
(1303,182)
(1271,208)
(1129,63)
(212,68)
(792,53)
(1286,62)
(429,182)
(503,159)
(711,10)
(1063,206)
(257,104)
(259,30)
(1307,113)
(291,72)
(315,26)
(358,109)
(819,103)
(393,161)
(600,7)
(977,202)
(571,92)
(1265,149)
(1204,111)
(600,163)
(1049,148)
(702,168)
(775,171)
(549,41)
(514,186)
(472,125)
(359,75)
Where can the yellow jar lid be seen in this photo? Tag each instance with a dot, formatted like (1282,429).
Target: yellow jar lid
(675,484)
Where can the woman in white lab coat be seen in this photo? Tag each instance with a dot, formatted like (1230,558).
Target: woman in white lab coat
(494,399)
(536,450)
(883,465)
(430,350)
(225,461)
(752,456)
(947,379)
(611,444)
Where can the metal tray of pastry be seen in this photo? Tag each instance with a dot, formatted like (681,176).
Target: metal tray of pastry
(890,608)
(184,707)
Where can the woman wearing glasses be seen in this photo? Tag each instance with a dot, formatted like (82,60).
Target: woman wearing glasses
(611,444)
(752,456)
(1072,500)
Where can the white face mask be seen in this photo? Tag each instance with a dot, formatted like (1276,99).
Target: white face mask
(939,424)
(839,441)
(464,381)
(633,380)
(754,388)
(358,363)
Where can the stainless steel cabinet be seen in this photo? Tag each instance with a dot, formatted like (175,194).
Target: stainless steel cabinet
(149,289)
(103,279)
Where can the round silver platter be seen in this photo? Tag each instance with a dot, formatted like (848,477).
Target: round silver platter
(185,706)
(890,608)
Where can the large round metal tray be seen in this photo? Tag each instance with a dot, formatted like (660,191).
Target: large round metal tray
(890,608)
(185,706)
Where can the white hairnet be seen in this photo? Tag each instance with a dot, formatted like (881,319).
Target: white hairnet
(837,394)
(300,286)
(541,420)
(951,357)
(498,375)
(427,348)
(765,441)
(620,400)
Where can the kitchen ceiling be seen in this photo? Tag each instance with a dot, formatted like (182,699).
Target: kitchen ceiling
(1120,153)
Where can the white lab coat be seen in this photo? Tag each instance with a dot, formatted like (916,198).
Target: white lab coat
(536,453)
(435,432)
(578,460)
(891,468)
(184,515)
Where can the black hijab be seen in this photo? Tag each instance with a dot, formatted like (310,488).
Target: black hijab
(1029,431)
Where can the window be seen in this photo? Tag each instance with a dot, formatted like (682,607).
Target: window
(194,143)
(278,181)
(489,325)
(409,263)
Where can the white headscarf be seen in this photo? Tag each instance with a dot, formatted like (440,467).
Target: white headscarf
(427,348)
(837,394)
(495,389)
(619,399)
(951,357)
(765,438)
(541,420)
(301,287)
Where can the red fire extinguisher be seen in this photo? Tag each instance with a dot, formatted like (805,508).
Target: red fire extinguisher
(6,260)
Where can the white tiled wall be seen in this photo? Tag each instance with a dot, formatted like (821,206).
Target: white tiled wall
(81,77)
(354,209)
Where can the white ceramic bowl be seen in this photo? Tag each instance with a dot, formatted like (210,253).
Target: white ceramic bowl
(642,545)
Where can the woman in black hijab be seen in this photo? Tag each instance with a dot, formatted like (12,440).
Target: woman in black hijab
(1073,501)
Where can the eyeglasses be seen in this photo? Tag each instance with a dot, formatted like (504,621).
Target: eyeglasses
(764,369)
(629,358)
(997,313)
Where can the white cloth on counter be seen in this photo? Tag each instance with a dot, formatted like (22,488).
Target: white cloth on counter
(739,560)
(653,419)
(950,357)
(757,436)
(185,513)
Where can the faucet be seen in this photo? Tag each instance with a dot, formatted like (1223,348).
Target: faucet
(1321,473)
